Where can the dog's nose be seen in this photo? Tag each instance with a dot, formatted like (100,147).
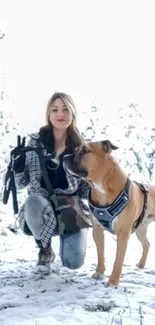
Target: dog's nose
(68,162)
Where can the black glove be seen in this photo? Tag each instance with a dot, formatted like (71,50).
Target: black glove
(18,156)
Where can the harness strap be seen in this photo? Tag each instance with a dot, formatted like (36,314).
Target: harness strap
(9,185)
(140,219)
(106,214)
(121,201)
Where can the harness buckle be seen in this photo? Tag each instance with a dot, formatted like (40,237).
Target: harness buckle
(126,196)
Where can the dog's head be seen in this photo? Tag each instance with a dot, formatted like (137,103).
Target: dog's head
(89,160)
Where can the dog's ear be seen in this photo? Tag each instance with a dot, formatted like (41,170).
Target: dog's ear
(108,146)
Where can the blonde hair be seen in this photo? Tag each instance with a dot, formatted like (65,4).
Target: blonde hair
(74,138)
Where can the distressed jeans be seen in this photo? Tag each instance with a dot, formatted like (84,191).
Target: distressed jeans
(72,246)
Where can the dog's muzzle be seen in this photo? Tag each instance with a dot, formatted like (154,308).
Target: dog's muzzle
(72,167)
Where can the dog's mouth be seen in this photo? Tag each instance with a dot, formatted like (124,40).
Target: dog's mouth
(72,166)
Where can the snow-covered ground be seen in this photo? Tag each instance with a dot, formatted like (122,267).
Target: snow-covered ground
(73,297)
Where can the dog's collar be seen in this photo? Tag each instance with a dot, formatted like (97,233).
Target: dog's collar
(107,213)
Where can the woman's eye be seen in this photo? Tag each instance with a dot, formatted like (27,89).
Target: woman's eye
(65,109)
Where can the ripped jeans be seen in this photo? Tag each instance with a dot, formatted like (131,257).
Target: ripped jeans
(72,245)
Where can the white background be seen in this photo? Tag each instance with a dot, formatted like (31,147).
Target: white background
(90,49)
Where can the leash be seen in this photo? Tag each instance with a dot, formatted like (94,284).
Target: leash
(145,190)
(10,186)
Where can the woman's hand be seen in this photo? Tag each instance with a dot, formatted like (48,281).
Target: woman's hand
(18,156)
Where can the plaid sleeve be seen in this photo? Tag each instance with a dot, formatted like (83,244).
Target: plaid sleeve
(83,190)
(22,179)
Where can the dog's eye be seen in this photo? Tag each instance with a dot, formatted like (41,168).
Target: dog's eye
(84,151)
(81,151)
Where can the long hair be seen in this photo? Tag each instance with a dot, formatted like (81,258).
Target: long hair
(74,138)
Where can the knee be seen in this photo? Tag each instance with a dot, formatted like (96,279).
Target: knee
(73,249)
(35,205)
(33,202)
(71,259)
(72,264)
(32,210)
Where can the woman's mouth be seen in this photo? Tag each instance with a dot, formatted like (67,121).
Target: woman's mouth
(60,120)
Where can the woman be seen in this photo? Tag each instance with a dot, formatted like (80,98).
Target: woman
(37,216)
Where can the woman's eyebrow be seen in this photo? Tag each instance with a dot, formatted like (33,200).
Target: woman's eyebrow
(58,106)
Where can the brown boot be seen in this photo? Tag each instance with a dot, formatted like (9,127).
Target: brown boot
(45,257)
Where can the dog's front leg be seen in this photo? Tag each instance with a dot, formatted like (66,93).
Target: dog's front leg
(98,235)
(122,241)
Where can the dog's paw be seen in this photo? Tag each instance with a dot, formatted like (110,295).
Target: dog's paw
(97,276)
(112,283)
(140,265)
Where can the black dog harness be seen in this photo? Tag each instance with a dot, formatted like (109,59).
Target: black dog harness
(106,214)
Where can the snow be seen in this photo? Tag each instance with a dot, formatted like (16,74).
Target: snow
(73,297)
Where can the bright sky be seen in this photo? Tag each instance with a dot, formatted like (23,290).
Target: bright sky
(102,49)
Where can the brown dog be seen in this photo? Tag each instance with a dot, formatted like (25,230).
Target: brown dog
(134,205)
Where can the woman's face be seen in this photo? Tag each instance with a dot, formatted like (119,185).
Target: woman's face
(60,116)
